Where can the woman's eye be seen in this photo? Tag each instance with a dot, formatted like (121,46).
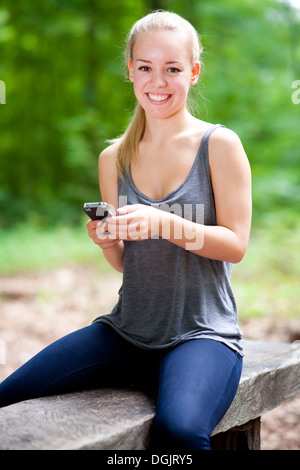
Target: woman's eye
(144,68)
(173,70)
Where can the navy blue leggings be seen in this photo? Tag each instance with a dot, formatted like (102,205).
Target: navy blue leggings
(195,381)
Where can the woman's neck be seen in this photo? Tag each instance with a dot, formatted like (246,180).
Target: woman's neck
(158,131)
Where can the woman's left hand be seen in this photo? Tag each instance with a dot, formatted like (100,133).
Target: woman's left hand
(135,222)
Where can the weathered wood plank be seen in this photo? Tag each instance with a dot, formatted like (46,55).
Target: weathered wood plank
(244,437)
(121,419)
(105,419)
(271,375)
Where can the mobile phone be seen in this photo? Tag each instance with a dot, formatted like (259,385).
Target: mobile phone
(98,210)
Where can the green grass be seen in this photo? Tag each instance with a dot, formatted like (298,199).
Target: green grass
(265,282)
(28,248)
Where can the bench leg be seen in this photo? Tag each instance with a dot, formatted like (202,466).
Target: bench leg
(244,437)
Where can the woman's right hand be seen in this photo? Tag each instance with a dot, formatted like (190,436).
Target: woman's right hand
(96,231)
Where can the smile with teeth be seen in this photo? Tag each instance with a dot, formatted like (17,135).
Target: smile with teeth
(155,97)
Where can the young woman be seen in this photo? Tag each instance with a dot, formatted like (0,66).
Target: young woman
(182,189)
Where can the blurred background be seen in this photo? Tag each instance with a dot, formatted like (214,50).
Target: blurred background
(66,95)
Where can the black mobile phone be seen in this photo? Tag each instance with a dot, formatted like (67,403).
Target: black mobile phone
(98,210)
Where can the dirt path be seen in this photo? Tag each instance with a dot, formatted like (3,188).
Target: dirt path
(37,309)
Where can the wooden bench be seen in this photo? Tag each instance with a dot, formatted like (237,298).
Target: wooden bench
(113,419)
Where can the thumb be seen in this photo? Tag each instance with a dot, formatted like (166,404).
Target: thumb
(127,209)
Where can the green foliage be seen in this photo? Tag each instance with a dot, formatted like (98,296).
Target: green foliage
(61,61)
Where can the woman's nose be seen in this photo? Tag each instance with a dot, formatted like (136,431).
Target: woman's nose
(159,80)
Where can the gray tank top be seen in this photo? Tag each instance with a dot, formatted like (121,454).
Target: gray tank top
(170,295)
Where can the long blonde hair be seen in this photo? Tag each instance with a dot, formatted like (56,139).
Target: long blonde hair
(158,20)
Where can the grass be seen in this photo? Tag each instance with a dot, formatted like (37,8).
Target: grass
(28,248)
(265,282)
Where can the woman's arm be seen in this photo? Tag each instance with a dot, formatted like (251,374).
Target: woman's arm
(231,180)
(113,249)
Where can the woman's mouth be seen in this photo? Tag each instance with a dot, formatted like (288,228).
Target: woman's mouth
(158,98)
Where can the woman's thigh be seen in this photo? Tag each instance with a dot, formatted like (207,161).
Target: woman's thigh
(92,356)
(198,381)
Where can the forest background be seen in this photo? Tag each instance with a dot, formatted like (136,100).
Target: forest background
(66,95)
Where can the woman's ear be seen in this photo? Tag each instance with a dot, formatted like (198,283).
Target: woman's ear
(130,70)
(195,73)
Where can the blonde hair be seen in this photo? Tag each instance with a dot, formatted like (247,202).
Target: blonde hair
(158,20)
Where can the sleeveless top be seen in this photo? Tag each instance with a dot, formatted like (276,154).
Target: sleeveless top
(170,295)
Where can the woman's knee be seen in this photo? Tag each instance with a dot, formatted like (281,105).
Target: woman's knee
(175,433)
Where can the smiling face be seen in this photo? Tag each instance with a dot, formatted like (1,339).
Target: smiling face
(162,72)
